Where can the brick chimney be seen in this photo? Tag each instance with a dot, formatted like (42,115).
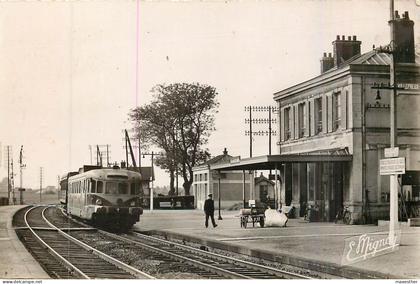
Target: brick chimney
(345,49)
(404,38)
(327,62)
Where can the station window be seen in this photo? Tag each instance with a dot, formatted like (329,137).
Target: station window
(287,123)
(318,115)
(205,177)
(336,110)
(100,187)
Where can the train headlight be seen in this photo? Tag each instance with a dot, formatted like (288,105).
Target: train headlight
(133,203)
(99,202)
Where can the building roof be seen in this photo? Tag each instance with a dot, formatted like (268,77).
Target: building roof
(371,58)
(224,158)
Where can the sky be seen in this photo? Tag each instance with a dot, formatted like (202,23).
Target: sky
(70,72)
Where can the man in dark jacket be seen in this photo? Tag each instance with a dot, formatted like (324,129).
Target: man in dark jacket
(209,210)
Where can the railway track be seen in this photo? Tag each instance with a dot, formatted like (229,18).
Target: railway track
(58,242)
(63,256)
(185,258)
(233,266)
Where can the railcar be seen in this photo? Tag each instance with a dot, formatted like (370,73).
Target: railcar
(106,197)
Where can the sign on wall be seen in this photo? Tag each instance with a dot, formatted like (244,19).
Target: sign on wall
(392,166)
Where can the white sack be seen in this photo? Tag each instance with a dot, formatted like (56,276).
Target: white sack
(273,218)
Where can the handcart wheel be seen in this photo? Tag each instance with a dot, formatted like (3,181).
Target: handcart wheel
(262,222)
(244,222)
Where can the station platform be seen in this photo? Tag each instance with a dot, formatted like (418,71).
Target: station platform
(318,245)
(15,261)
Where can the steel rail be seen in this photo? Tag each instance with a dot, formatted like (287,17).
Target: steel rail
(50,249)
(230,259)
(212,268)
(102,255)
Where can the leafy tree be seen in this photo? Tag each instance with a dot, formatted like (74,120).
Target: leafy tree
(179,121)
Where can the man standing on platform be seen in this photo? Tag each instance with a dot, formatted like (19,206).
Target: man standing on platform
(209,210)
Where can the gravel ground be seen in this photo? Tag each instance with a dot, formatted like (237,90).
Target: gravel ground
(277,265)
(141,259)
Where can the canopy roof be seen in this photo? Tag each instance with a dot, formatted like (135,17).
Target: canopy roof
(269,162)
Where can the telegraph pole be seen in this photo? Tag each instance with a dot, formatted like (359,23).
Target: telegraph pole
(40,184)
(12,183)
(393,178)
(265,121)
(152,155)
(58,187)
(8,173)
(21,167)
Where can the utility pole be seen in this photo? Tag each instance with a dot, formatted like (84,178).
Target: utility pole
(268,121)
(40,184)
(58,187)
(152,155)
(393,179)
(90,150)
(21,167)
(8,173)
(12,183)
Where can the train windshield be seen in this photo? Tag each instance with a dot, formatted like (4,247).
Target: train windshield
(135,189)
(116,188)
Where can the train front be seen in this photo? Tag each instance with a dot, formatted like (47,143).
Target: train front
(116,196)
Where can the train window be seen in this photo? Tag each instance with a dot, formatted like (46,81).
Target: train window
(122,188)
(111,188)
(100,188)
(92,186)
(135,188)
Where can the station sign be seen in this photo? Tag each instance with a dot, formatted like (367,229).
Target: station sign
(392,166)
(392,152)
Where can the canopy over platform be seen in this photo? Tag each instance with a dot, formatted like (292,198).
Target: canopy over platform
(270,162)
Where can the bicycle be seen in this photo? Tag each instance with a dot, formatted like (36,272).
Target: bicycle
(344,214)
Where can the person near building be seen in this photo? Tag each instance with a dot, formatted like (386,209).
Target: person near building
(209,210)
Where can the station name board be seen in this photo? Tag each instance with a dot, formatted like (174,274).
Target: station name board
(393,166)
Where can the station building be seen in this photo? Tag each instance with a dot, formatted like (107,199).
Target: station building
(339,113)
(233,186)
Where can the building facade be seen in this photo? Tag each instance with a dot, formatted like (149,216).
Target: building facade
(338,112)
(232,186)
(206,181)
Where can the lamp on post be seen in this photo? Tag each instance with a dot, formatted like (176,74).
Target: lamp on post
(152,178)
(391,49)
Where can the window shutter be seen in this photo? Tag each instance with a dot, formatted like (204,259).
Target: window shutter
(282,121)
(312,116)
(307,120)
(344,107)
(330,113)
